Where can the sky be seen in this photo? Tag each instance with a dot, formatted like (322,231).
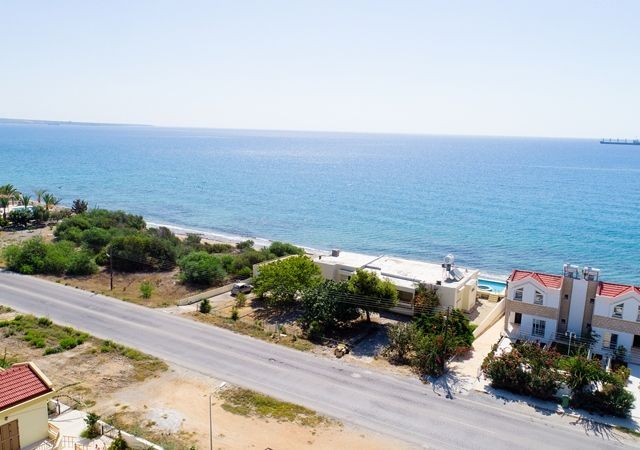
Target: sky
(517,68)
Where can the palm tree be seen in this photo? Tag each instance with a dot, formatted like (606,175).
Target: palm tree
(4,204)
(39,194)
(9,191)
(49,200)
(25,200)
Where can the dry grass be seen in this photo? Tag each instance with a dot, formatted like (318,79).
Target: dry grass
(254,328)
(245,402)
(83,372)
(167,289)
(134,423)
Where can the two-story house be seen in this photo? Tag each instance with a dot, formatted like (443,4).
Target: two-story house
(532,305)
(616,319)
(575,305)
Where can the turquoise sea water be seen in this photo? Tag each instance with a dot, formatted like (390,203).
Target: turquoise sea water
(496,203)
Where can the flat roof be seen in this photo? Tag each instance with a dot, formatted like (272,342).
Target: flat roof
(403,272)
(355,260)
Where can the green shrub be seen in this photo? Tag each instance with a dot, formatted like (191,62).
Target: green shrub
(139,252)
(527,369)
(245,245)
(280,249)
(68,343)
(201,268)
(234,313)
(401,342)
(205,306)
(119,443)
(285,279)
(146,289)
(20,216)
(81,263)
(91,431)
(241,300)
(44,321)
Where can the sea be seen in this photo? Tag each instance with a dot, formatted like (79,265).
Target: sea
(495,203)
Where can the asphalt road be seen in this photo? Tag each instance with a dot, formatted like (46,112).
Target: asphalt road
(401,407)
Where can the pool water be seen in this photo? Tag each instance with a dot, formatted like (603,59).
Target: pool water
(491,286)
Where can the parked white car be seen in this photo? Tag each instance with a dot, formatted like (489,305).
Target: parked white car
(245,288)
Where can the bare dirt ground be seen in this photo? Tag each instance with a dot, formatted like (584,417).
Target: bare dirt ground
(167,289)
(176,403)
(172,405)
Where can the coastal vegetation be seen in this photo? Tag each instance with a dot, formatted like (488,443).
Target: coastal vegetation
(430,340)
(94,241)
(529,369)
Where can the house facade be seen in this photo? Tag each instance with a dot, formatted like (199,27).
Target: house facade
(574,305)
(456,287)
(24,394)
(616,319)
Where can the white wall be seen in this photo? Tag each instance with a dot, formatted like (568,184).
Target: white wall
(576,307)
(551,296)
(624,339)
(526,326)
(604,307)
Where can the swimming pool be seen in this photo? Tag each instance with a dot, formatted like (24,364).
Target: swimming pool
(495,287)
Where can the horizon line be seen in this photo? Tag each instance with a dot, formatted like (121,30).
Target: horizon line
(394,133)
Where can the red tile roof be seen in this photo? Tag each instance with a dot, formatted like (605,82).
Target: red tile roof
(20,383)
(616,290)
(550,281)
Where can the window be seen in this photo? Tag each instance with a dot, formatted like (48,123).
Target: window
(638,316)
(518,294)
(538,298)
(618,310)
(610,341)
(538,327)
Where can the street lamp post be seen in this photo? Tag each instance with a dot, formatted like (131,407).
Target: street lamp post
(571,334)
(220,386)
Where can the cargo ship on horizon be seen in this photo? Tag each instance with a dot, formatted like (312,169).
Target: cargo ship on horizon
(620,141)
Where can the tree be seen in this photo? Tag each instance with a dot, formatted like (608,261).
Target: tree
(119,443)
(4,204)
(402,337)
(245,245)
(205,306)
(91,420)
(79,206)
(280,249)
(581,372)
(283,280)
(39,194)
(140,252)
(201,268)
(378,294)
(20,216)
(25,200)
(40,214)
(426,297)
(9,192)
(327,304)
(49,200)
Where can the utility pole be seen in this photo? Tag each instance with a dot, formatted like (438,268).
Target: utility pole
(444,343)
(110,255)
(223,384)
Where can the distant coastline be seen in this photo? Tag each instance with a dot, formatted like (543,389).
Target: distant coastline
(8,120)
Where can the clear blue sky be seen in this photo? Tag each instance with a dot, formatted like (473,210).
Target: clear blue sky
(534,68)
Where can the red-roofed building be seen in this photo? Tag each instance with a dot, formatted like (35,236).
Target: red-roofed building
(546,307)
(24,393)
(616,320)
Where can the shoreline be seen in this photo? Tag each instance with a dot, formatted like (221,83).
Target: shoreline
(215,236)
